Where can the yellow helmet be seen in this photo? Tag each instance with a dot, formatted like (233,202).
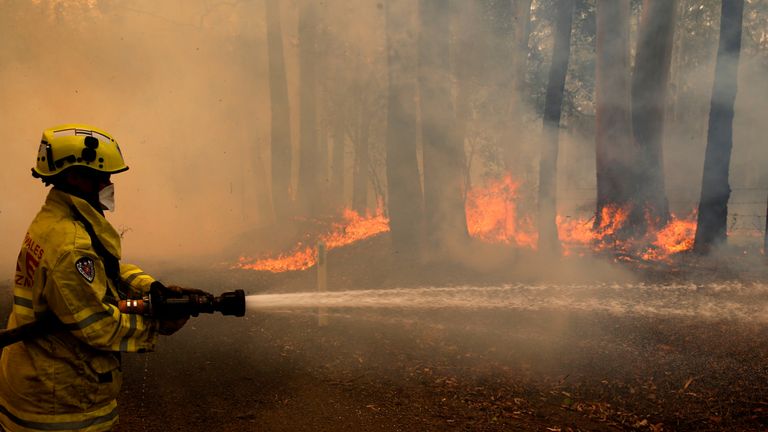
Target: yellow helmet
(75,144)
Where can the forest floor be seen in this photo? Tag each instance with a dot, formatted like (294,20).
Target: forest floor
(701,365)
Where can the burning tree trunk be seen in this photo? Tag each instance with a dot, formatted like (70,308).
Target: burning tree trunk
(280,123)
(307,191)
(613,138)
(403,180)
(443,153)
(715,190)
(649,91)
(548,239)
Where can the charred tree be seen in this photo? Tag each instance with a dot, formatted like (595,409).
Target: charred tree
(649,95)
(548,238)
(443,154)
(280,123)
(715,189)
(613,137)
(307,191)
(403,179)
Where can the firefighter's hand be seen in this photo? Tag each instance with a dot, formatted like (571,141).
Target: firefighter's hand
(168,327)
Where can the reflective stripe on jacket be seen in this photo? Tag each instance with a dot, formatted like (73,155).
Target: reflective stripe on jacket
(70,378)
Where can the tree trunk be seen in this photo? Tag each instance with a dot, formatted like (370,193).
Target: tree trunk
(443,153)
(403,179)
(307,190)
(522,31)
(613,137)
(715,190)
(360,170)
(325,203)
(649,96)
(280,122)
(323,177)
(548,238)
(337,165)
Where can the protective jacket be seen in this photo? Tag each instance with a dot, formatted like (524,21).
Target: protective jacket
(68,271)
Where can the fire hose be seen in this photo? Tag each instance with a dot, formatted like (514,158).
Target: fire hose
(158,304)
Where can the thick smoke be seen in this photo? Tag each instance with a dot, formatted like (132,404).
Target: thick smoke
(183,86)
(179,84)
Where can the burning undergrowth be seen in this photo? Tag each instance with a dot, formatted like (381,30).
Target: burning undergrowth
(493,216)
(352,228)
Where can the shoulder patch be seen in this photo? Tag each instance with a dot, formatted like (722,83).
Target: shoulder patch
(86,268)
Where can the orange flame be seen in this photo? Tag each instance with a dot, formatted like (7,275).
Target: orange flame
(492,215)
(677,236)
(353,228)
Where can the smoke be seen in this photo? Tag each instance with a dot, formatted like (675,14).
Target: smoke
(183,86)
(178,84)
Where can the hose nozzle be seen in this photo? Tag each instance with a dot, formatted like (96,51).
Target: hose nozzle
(186,304)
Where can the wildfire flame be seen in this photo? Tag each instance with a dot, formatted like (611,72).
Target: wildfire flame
(352,228)
(493,216)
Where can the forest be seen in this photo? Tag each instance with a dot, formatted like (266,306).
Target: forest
(486,215)
(563,127)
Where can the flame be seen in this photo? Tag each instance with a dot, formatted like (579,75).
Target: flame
(677,236)
(492,215)
(352,228)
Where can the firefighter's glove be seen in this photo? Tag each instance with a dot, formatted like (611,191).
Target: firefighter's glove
(168,327)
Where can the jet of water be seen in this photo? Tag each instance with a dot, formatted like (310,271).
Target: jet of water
(716,301)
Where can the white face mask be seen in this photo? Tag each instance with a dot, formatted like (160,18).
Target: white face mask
(107,197)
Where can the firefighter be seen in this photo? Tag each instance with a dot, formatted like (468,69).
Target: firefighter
(69,276)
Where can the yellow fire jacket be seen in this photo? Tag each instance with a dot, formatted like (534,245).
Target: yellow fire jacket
(68,269)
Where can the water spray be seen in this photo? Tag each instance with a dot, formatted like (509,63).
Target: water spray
(716,301)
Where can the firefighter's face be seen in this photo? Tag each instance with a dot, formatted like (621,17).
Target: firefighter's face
(87,181)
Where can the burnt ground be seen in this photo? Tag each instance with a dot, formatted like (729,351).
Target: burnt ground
(487,370)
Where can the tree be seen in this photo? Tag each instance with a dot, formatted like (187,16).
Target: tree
(307,190)
(613,137)
(521,25)
(715,189)
(403,180)
(280,122)
(548,238)
(338,153)
(443,156)
(649,90)
(360,140)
